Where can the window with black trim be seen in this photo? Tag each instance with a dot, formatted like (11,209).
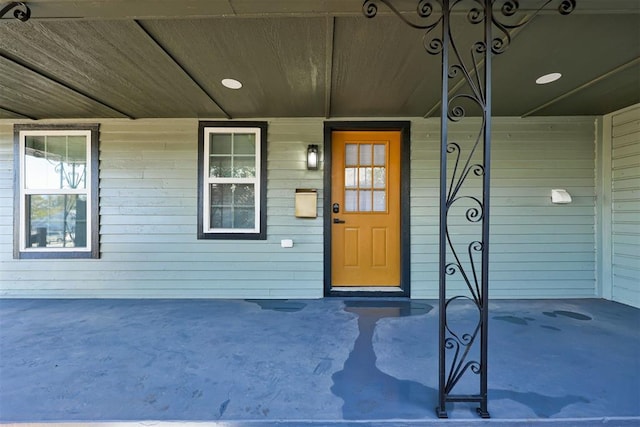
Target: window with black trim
(232,180)
(56,191)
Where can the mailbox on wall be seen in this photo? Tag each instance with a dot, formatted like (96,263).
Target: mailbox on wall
(306,203)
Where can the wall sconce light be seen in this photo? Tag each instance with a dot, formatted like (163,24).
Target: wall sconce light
(560,196)
(312,157)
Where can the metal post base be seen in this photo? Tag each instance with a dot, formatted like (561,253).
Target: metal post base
(441,412)
(483,412)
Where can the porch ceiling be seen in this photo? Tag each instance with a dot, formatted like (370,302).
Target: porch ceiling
(295,58)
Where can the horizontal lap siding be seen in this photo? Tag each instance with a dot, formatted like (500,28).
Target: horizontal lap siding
(625,163)
(537,249)
(148,198)
(148,207)
(6,200)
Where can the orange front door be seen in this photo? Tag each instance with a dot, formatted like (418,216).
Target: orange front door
(365,208)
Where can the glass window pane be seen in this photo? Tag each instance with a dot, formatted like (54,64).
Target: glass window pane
(220,143)
(35,143)
(244,218)
(365,180)
(379,201)
(379,178)
(244,143)
(365,154)
(243,195)
(219,167)
(232,206)
(77,148)
(351,201)
(350,178)
(76,162)
(365,201)
(244,167)
(221,217)
(55,162)
(379,154)
(56,221)
(221,194)
(351,154)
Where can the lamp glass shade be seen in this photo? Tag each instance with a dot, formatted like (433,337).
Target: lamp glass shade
(312,157)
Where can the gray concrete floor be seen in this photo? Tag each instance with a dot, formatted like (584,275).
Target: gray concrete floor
(359,362)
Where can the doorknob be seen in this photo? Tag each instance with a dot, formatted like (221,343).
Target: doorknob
(338,221)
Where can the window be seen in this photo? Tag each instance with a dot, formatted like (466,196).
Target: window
(365,177)
(232,180)
(56,191)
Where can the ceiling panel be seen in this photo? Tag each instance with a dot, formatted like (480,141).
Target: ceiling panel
(118,9)
(602,97)
(30,96)
(6,114)
(380,68)
(114,9)
(281,62)
(296,58)
(581,47)
(114,61)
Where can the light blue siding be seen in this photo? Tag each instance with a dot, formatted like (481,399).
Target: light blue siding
(537,249)
(625,172)
(148,193)
(148,196)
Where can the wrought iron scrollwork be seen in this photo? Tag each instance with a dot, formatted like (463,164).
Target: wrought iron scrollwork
(509,9)
(465,177)
(21,12)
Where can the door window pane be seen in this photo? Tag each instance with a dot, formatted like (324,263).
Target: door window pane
(379,201)
(379,178)
(364,204)
(350,178)
(351,201)
(361,177)
(379,154)
(365,180)
(351,154)
(365,154)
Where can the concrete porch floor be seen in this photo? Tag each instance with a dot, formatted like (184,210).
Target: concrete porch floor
(348,362)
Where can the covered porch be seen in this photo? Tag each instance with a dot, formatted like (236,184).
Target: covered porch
(308,362)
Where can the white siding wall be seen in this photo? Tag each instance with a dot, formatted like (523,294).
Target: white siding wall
(148,217)
(623,277)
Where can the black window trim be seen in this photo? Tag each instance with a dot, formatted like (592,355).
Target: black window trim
(94,233)
(262,233)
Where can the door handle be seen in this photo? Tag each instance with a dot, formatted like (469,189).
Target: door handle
(338,221)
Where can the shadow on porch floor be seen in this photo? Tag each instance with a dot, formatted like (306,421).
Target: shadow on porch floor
(308,363)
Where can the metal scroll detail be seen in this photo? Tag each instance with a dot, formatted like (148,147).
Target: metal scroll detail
(462,32)
(21,12)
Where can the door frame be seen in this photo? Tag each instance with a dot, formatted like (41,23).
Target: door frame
(404,127)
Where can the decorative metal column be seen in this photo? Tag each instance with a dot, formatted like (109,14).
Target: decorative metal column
(21,12)
(466,42)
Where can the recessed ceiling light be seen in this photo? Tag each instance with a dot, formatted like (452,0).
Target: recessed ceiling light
(231,83)
(548,78)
